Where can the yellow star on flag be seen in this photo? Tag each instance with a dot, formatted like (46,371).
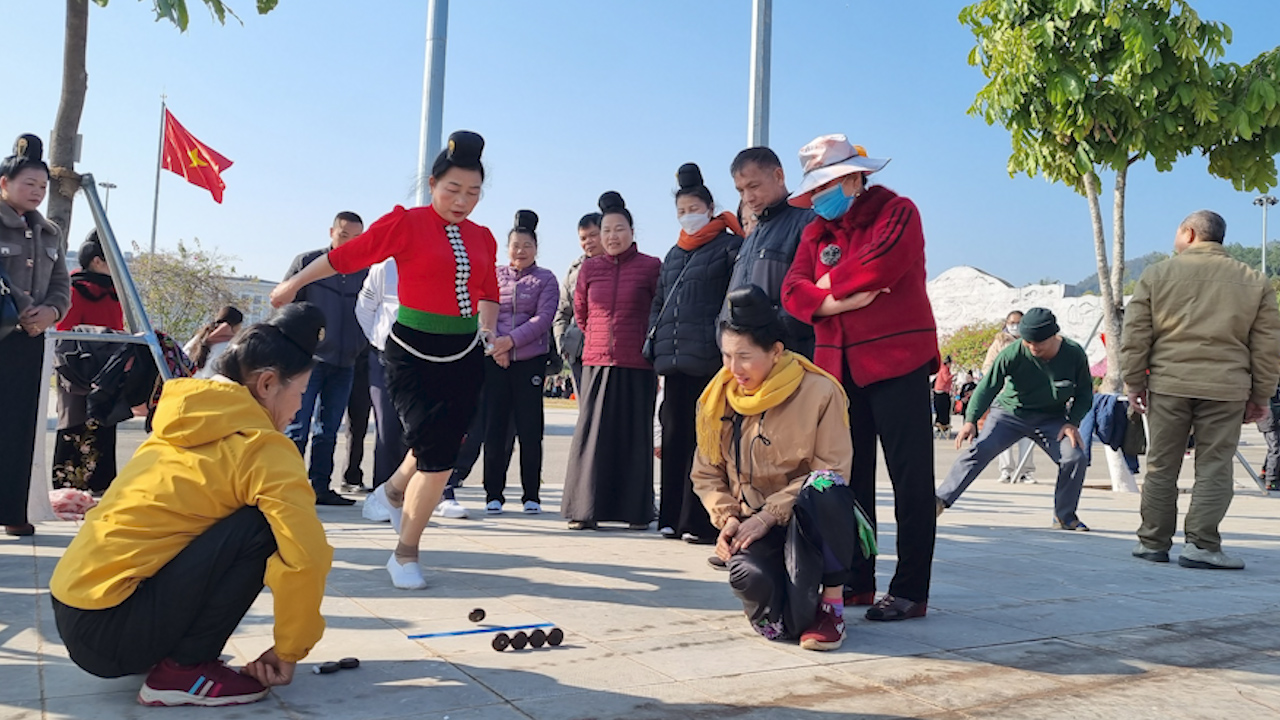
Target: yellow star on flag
(196,162)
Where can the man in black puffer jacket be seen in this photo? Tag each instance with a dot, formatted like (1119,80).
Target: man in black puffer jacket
(682,335)
(767,252)
(332,379)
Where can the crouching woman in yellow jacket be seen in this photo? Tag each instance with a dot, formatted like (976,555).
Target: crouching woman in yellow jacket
(215,503)
(773,453)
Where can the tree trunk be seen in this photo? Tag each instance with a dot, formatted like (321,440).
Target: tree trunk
(62,146)
(1117,238)
(1111,320)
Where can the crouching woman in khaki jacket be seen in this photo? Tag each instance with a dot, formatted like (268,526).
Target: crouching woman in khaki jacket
(773,454)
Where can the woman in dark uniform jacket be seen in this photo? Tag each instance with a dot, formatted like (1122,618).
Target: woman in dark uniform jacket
(33,257)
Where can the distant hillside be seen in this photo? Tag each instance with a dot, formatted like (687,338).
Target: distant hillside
(1132,271)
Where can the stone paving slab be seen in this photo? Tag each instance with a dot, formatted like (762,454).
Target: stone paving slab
(1024,622)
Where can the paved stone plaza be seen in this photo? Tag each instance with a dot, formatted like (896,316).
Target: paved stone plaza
(1024,622)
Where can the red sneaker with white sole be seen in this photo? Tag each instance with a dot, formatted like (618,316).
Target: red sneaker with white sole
(826,632)
(209,684)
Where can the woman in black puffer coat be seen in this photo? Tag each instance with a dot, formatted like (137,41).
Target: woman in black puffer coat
(691,292)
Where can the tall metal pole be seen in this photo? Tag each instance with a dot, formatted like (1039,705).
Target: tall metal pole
(432,94)
(761,51)
(1265,201)
(155,207)
(108,186)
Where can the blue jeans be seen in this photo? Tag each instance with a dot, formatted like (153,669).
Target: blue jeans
(1001,431)
(331,386)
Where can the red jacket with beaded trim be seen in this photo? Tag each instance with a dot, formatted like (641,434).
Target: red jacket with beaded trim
(879,244)
(424,258)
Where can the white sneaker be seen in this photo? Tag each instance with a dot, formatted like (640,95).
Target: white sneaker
(1027,480)
(375,509)
(493,508)
(407,576)
(395,512)
(1193,557)
(532,508)
(1006,479)
(452,509)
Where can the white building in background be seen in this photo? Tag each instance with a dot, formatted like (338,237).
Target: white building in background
(252,297)
(966,295)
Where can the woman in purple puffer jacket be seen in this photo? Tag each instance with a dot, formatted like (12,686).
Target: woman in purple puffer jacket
(513,378)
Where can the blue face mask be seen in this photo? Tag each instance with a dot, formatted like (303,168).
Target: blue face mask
(832,202)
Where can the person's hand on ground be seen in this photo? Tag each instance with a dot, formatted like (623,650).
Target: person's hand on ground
(1138,401)
(967,432)
(724,543)
(270,670)
(1072,433)
(1254,412)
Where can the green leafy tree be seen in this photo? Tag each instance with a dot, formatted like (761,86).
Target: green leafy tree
(1087,87)
(75,84)
(182,289)
(968,345)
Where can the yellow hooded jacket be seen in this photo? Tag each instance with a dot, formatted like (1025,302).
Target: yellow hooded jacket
(214,450)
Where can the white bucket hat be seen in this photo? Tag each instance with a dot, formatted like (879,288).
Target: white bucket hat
(827,158)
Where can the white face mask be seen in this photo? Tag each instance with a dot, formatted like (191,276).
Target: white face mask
(693,222)
(1013,330)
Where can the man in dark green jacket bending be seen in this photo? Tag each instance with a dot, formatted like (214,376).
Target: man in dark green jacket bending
(1047,391)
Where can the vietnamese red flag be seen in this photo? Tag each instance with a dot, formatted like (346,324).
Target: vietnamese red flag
(198,163)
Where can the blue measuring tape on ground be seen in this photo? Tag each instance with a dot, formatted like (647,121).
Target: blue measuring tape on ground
(482,631)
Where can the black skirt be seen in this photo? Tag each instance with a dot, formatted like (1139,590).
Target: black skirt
(435,400)
(21,357)
(610,475)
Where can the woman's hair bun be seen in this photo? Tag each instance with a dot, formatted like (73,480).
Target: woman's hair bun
(230,315)
(302,324)
(29,147)
(464,148)
(750,307)
(526,220)
(612,201)
(91,248)
(689,176)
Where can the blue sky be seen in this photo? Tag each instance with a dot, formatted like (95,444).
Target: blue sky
(318,105)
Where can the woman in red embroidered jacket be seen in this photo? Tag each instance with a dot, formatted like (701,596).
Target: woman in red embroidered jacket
(610,476)
(859,278)
(435,353)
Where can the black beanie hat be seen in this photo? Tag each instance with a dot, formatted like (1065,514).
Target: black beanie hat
(302,324)
(1038,325)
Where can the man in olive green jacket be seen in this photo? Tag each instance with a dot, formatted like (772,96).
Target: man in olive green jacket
(1200,352)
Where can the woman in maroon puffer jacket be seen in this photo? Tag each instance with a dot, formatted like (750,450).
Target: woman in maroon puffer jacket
(610,475)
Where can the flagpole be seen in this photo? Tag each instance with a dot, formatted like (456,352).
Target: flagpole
(155,208)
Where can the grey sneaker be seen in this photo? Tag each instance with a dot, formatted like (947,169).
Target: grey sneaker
(1142,552)
(1194,557)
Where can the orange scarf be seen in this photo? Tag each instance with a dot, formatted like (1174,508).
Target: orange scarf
(712,230)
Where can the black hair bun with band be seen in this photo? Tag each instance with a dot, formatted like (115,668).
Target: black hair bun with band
(526,220)
(612,201)
(464,149)
(29,147)
(689,176)
(302,324)
(749,307)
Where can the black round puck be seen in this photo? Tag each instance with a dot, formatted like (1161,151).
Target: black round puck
(349,663)
(476,615)
(537,638)
(519,640)
(555,637)
(501,641)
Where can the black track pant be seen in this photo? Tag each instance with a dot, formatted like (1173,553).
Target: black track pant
(513,391)
(185,612)
(895,412)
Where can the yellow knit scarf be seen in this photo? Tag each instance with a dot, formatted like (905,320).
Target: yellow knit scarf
(782,383)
